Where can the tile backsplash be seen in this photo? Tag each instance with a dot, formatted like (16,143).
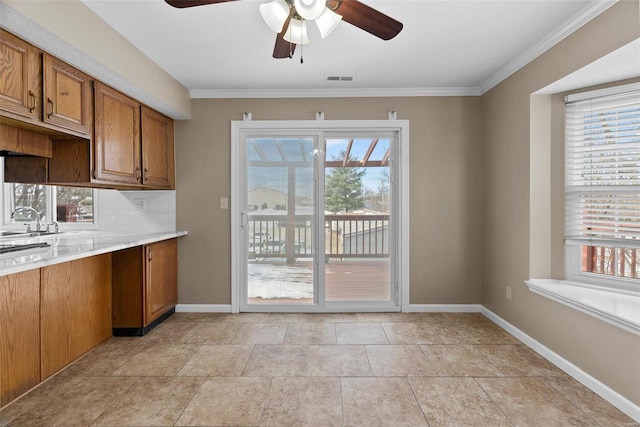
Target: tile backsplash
(136,211)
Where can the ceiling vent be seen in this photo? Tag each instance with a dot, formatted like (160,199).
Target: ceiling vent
(340,78)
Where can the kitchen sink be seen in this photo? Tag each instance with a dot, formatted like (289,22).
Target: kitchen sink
(10,233)
(20,234)
(15,248)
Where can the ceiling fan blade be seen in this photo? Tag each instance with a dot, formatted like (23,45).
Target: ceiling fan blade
(283,48)
(181,4)
(369,19)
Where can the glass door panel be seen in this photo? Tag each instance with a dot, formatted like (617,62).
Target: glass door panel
(357,196)
(280,220)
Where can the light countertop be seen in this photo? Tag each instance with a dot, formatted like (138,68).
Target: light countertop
(72,245)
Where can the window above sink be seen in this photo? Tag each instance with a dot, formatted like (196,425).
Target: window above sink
(23,206)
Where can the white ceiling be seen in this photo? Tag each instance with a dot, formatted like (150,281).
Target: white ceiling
(446,47)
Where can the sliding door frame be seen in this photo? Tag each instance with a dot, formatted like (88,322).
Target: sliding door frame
(328,128)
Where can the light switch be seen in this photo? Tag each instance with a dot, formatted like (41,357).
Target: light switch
(224,203)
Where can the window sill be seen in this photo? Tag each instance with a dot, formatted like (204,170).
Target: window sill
(616,308)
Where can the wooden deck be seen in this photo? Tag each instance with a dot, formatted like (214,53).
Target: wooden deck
(348,280)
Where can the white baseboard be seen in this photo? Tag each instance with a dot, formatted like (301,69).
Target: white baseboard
(417,308)
(203,308)
(602,390)
(445,308)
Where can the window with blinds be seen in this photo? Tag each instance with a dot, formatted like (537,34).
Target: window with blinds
(602,180)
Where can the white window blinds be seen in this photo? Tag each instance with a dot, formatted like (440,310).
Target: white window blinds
(602,172)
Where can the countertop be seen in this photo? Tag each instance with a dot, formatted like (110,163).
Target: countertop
(72,245)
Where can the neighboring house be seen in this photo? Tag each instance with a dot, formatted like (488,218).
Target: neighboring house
(266,198)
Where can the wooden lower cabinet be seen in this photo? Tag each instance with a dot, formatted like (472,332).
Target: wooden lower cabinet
(75,310)
(144,286)
(19,334)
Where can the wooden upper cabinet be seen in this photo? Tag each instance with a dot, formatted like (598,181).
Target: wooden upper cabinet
(116,137)
(20,77)
(67,94)
(158,168)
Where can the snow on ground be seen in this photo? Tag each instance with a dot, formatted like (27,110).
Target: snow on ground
(280,281)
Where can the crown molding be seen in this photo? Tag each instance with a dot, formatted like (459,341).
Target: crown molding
(593,9)
(336,93)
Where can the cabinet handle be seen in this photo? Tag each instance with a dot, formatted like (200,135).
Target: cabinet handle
(50,102)
(146,174)
(150,254)
(33,101)
(138,174)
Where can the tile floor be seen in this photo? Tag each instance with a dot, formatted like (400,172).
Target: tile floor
(374,369)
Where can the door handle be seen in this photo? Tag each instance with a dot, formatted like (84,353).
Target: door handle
(244,216)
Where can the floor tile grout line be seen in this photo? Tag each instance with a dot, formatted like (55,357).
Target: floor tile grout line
(435,369)
(115,399)
(475,347)
(344,420)
(548,380)
(413,392)
(199,346)
(475,379)
(266,399)
(253,348)
(204,379)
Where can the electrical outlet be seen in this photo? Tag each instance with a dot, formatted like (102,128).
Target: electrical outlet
(224,203)
(508,292)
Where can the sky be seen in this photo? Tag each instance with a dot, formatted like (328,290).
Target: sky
(301,150)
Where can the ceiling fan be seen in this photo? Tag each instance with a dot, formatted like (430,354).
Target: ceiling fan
(288,19)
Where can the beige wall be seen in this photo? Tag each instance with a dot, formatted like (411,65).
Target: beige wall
(445,189)
(514,195)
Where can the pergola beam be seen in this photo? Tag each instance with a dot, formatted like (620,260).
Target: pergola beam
(372,147)
(347,153)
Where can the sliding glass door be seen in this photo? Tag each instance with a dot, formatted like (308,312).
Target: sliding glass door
(316,228)
(357,200)
(279,220)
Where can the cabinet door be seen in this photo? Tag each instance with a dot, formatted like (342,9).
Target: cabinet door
(75,310)
(158,168)
(19,334)
(67,93)
(20,77)
(116,137)
(161,279)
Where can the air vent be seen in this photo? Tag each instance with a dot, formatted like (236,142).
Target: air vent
(340,78)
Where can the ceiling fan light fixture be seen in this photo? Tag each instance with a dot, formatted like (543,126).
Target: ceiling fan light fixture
(310,9)
(275,14)
(327,22)
(297,32)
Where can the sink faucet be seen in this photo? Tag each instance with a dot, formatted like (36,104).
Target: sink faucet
(30,209)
